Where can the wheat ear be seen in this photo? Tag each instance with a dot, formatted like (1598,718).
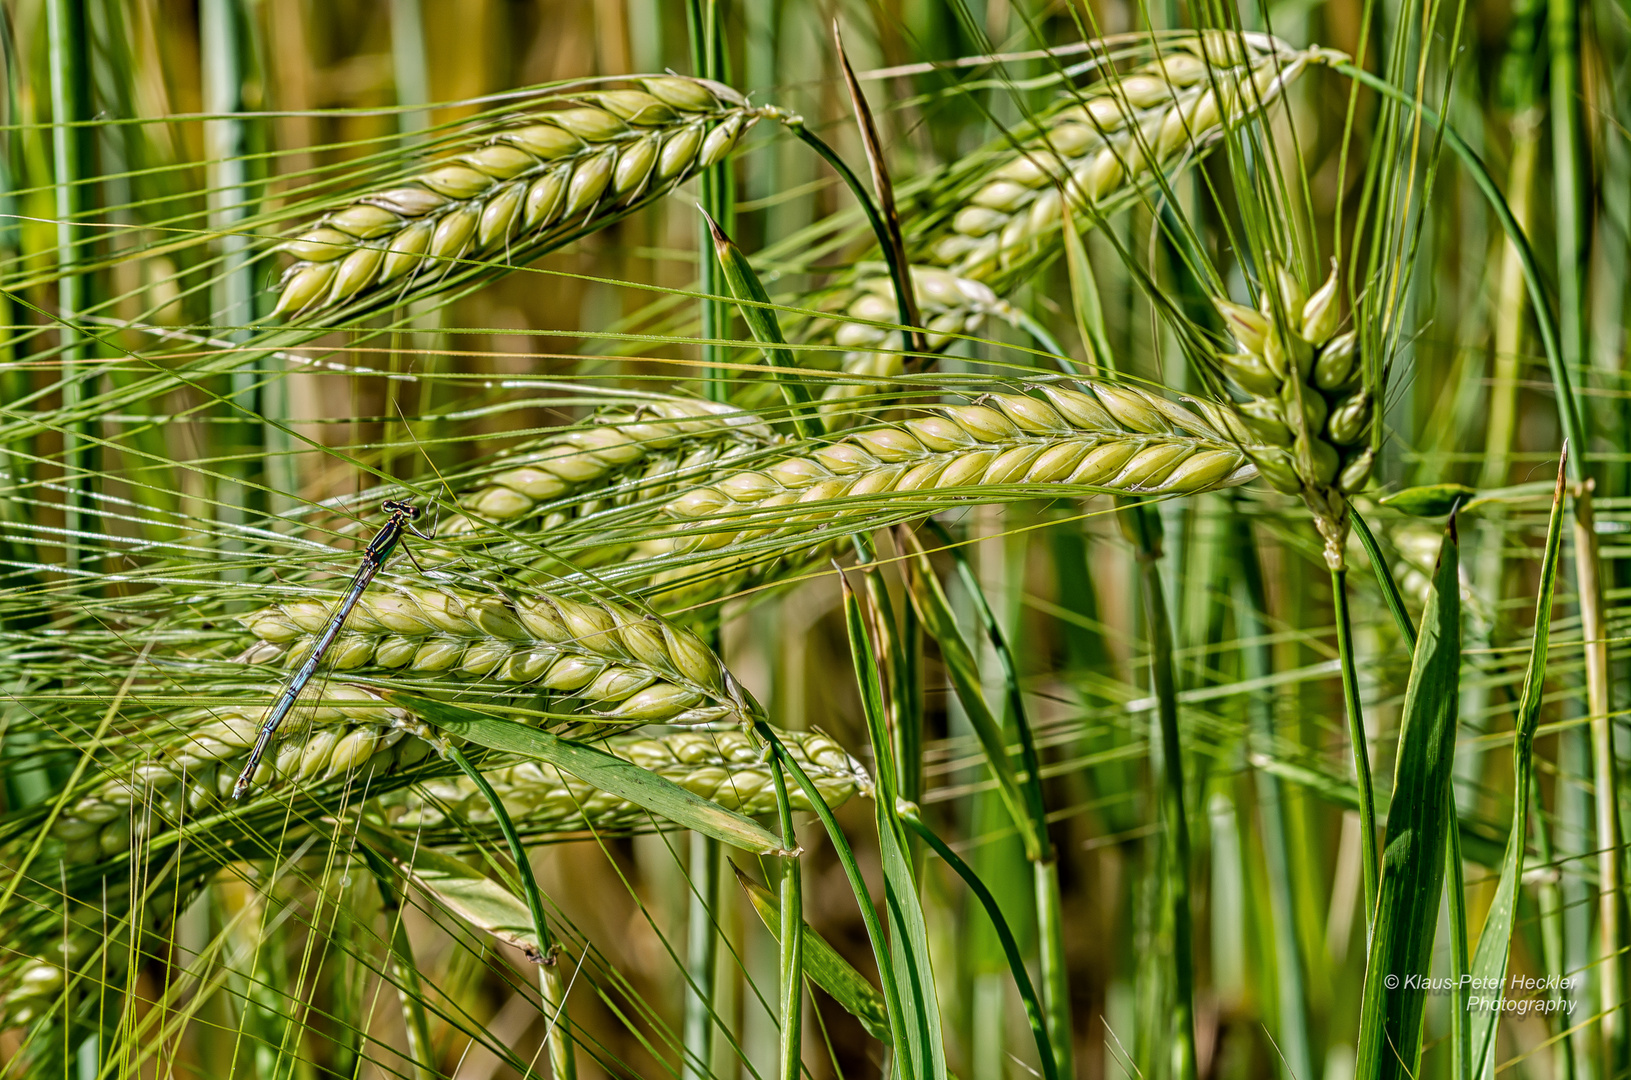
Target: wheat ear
(1307,412)
(624,666)
(723,766)
(348,728)
(993,222)
(621,457)
(1095,438)
(529,188)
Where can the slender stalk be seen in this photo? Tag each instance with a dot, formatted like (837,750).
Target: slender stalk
(1570,209)
(718,202)
(1051,957)
(405,972)
(552,986)
(411,79)
(1358,740)
(1143,523)
(1461,1063)
(70,106)
(1010,947)
(408,68)
(1605,779)
(1292,1034)
(701,956)
(232,293)
(792,937)
(1573,807)
(863,899)
(1549,901)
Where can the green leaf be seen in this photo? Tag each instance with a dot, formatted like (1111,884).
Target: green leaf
(461,888)
(825,967)
(1490,960)
(1412,878)
(760,315)
(599,769)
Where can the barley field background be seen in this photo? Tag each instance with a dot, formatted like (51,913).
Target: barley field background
(956,538)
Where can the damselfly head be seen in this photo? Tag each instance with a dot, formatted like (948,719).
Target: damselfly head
(397,506)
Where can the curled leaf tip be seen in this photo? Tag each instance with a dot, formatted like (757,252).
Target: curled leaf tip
(1429,500)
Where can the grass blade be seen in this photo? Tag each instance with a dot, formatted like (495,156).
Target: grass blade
(1412,871)
(658,794)
(1490,959)
(939,623)
(760,315)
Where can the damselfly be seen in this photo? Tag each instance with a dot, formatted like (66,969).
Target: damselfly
(374,557)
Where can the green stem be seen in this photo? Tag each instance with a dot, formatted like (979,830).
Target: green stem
(1550,902)
(707,60)
(1384,578)
(562,1058)
(701,955)
(70,94)
(405,971)
(1043,843)
(409,69)
(232,295)
(1045,867)
(1258,663)
(1010,947)
(792,936)
(857,883)
(1144,525)
(1605,774)
(1356,737)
